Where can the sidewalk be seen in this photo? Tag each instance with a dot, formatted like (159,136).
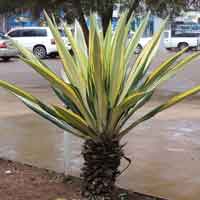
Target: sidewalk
(165,151)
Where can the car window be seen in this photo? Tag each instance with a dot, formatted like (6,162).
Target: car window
(40,32)
(16,33)
(34,33)
(182,34)
(28,33)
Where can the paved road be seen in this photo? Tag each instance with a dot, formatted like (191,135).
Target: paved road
(18,72)
(184,79)
(165,150)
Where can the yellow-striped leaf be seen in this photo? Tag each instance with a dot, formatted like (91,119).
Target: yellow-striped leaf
(176,99)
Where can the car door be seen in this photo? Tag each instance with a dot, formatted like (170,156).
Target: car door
(27,38)
(40,37)
(23,36)
(65,39)
(15,35)
(167,39)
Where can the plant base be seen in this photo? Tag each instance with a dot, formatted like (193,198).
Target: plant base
(101,162)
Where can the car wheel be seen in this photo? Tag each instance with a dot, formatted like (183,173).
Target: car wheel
(6,59)
(40,51)
(182,45)
(138,49)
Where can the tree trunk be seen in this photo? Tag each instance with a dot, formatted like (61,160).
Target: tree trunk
(107,15)
(106,18)
(101,162)
(81,19)
(133,7)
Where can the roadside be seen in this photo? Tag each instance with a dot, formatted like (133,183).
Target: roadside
(21,74)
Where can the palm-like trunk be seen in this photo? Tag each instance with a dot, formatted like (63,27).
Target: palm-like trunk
(101,167)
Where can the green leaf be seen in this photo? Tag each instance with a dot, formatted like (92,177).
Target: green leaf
(67,89)
(54,80)
(54,119)
(119,110)
(66,100)
(71,68)
(130,51)
(117,70)
(107,53)
(80,50)
(98,73)
(142,63)
(176,99)
(164,66)
(17,91)
(68,62)
(73,120)
(172,71)
(37,106)
(132,110)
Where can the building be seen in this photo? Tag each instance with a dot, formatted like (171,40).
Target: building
(152,27)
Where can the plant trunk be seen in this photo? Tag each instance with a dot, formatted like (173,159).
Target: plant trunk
(101,167)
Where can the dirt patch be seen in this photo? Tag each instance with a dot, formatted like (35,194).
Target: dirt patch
(24,182)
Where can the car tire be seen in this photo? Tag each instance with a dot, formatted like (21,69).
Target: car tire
(182,46)
(6,59)
(40,51)
(138,49)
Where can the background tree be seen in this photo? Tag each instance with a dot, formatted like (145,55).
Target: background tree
(79,8)
(171,7)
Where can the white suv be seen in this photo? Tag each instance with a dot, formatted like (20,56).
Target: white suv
(37,39)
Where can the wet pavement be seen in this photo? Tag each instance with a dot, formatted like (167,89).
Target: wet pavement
(165,151)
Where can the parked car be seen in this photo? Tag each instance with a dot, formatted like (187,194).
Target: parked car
(180,41)
(7,51)
(142,43)
(37,39)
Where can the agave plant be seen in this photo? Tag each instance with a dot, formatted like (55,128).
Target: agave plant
(103,86)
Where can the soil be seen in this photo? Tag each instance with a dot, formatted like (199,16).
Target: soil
(23,182)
